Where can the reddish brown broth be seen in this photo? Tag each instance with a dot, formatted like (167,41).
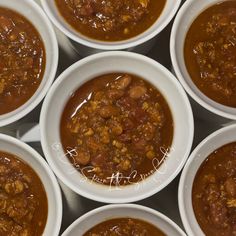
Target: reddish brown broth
(110,20)
(210,52)
(124,227)
(117,124)
(214,192)
(23,200)
(22,60)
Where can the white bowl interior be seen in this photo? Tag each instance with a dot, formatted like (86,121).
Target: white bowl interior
(86,222)
(187,14)
(201,152)
(36,162)
(104,63)
(165,17)
(37,17)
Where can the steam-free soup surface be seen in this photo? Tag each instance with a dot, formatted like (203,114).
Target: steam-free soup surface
(214,192)
(110,20)
(117,129)
(124,227)
(23,200)
(22,60)
(210,52)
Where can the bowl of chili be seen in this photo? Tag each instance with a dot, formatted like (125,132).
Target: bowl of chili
(124,220)
(29,58)
(116,127)
(203,54)
(207,188)
(31,202)
(97,26)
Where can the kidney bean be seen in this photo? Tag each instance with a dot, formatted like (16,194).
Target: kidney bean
(108,111)
(104,136)
(14,187)
(139,144)
(115,94)
(126,103)
(123,82)
(116,128)
(125,137)
(128,124)
(137,91)
(92,144)
(98,160)
(139,115)
(82,158)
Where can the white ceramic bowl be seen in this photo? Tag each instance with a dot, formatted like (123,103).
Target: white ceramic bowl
(186,15)
(37,17)
(92,218)
(87,46)
(201,152)
(39,165)
(87,69)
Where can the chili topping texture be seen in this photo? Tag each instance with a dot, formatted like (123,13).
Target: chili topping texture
(124,227)
(214,192)
(210,52)
(23,200)
(117,125)
(110,20)
(22,60)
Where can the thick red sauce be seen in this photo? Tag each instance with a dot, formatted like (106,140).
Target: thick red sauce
(22,60)
(124,227)
(110,20)
(214,192)
(117,124)
(23,200)
(210,52)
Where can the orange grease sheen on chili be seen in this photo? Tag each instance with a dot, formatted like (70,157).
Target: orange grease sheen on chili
(210,52)
(23,200)
(117,124)
(22,60)
(125,227)
(110,20)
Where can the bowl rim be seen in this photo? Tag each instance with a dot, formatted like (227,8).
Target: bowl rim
(43,123)
(184,174)
(176,67)
(155,213)
(52,71)
(50,174)
(101,45)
